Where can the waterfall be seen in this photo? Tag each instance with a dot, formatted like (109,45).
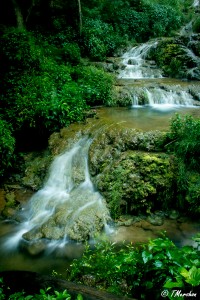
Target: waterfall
(68,207)
(137,64)
(196,3)
(161,98)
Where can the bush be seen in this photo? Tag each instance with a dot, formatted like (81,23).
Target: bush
(196,25)
(7,147)
(18,51)
(144,271)
(99,39)
(95,84)
(184,142)
(171,57)
(43,295)
(47,101)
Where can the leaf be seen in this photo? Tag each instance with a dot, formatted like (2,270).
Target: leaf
(172,284)
(158,264)
(146,256)
(184,272)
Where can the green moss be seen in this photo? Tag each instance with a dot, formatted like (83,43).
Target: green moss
(137,182)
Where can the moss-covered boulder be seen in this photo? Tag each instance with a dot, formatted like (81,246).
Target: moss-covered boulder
(137,182)
(177,59)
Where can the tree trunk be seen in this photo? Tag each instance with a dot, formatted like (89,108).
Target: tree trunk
(19,16)
(80,16)
(32,282)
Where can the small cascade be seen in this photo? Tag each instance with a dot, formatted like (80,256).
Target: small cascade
(68,207)
(137,65)
(196,3)
(161,98)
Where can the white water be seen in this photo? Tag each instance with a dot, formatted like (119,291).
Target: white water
(160,98)
(67,193)
(137,65)
(196,3)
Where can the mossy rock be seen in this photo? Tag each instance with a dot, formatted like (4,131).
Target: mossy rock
(137,182)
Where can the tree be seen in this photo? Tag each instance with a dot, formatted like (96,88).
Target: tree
(80,16)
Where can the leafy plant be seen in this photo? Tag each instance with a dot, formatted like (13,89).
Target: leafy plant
(183,141)
(7,146)
(95,84)
(142,270)
(46,294)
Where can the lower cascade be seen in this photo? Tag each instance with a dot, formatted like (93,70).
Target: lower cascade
(68,207)
(157,97)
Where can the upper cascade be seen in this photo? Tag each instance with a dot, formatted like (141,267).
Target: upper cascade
(196,3)
(137,65)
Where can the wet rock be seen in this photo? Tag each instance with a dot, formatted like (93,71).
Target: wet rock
(139,178)
(125,220)
(34,248)
(9,212)
(2,199)
(88,280)
(155,220)
(10,199)
(173,215)
(36,167)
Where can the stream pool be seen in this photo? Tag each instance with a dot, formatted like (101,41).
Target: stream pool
(144,118)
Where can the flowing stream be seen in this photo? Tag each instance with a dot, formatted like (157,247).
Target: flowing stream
(68,207)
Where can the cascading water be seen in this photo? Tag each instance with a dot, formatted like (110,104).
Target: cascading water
(67,208)
(137,65)
(196,3)
(161,98)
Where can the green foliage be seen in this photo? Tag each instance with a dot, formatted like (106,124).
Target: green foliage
(138,183)
(140,20)
(43,295)
(143,271)
(7,146)
(48,101)
(19,51)
(196,25)
(171,58)
(184,142)
(95,84)
(99,39)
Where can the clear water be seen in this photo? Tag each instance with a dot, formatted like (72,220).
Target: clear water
(146,118)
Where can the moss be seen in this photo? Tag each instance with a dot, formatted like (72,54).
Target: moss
(137,182)
(193,193)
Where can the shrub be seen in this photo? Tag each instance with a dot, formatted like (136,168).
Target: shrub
(99,39)
(18,51)
(196,25)
(43,295)
(95,84)
(171,57)
(7,147)
(184,142)
(144,271)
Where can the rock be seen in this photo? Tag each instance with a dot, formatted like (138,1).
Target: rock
(34,248)
(9,212)
(173,215)
(10,199)
(155,220)
(2,199)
